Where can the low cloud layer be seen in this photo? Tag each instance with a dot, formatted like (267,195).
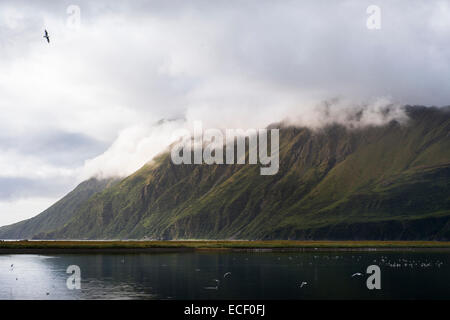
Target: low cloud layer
(351,114)
(87,103)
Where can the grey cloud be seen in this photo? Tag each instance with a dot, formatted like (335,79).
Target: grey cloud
(56,147)
(12,188)
(304,45)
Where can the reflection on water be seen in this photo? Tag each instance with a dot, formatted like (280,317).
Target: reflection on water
(262,275)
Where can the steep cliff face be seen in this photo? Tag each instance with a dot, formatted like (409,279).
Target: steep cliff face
(387,182)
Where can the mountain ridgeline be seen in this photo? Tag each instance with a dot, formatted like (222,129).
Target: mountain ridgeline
(386,182)
(58,214)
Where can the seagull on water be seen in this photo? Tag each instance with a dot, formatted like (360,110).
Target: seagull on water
(214,288)
(46,36)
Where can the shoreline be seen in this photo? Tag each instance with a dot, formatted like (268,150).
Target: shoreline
(108,246)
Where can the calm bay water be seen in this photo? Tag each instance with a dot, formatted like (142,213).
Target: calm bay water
(240,275)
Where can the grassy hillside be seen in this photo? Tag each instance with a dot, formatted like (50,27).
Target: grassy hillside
(58,214)
(389,182)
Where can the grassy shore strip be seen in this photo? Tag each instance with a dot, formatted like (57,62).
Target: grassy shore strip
(5,246)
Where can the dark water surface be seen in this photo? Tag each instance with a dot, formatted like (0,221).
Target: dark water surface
(254,275)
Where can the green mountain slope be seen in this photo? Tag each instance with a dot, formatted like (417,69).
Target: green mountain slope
(387,182)
(58,214)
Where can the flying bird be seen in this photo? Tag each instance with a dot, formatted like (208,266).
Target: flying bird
(304,283)
(46,36)
(227,274)
(356,274)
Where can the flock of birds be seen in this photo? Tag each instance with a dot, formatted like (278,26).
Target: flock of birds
(402,262)
(383,261)
(405,263)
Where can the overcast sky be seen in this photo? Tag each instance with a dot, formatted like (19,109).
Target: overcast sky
(87,103)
